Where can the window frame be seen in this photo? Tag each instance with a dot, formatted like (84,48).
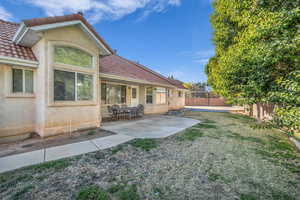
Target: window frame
(153,92)
(159,92)
(24,94)
(74,47)
(117,84)
(75,69)
(75,86)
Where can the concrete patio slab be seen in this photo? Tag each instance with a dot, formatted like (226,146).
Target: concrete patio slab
(157,126)
(64,151)
(111,141)
(150,127)
(21,160)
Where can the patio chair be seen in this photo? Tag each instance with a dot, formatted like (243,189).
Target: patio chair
(140,110)
(116,111)
(121,112)
(112,112)
(133,112)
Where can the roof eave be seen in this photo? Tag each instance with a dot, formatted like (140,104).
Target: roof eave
(123,78)
(18,61)
(28,36)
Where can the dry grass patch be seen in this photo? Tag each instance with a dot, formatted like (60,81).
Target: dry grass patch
(220,158)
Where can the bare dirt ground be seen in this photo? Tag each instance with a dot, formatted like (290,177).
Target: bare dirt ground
(36,142)
(221,158)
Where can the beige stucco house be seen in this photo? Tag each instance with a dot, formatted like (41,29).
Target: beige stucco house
(58,75)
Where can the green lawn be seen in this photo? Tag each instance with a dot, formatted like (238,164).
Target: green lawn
(221,158)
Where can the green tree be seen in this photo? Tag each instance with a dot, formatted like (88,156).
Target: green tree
(258,55)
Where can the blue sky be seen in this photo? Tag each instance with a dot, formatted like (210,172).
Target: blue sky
(172,37)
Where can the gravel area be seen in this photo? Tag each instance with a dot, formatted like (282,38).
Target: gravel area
(222,158)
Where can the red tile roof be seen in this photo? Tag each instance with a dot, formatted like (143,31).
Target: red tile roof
(8,48)
(116,65)
(65,18)
(177,83)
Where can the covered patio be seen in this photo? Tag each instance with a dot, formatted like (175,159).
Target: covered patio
(128,84)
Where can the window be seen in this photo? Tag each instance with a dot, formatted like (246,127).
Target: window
(149,95)
(134,92)
(84,86)
(22,81)
(72,56)
(113,94)
(72,86)
(179,94)
(161,97)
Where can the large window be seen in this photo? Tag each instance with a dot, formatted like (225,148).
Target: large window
(72,83)
(149,95)
(22,81)
(72,56)
(161,97)
(113,94)
(72,86)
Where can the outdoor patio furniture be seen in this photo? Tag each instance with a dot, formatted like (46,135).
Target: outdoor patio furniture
(133,112)
(111,112)
(123,112)
(116,111)
(140,110)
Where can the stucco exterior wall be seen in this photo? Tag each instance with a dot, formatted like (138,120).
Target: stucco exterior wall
(17,112)
(40,113)
(176,102)
(58,117)
(152,108)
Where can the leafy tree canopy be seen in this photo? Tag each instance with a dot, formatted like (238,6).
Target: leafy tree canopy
(258,55)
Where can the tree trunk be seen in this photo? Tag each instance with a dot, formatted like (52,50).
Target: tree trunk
(258,105)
